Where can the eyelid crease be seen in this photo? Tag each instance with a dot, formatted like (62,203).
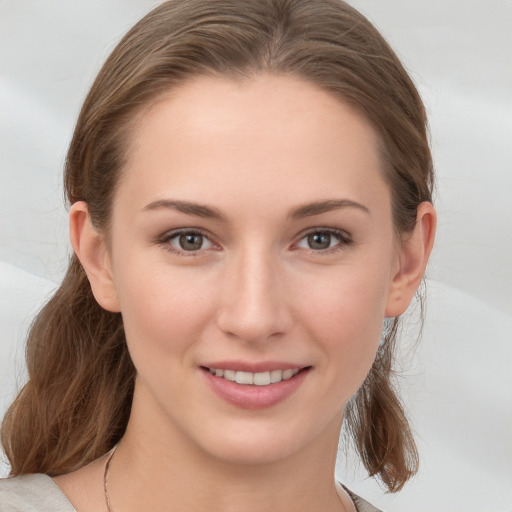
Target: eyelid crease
(332,231)
(180,231)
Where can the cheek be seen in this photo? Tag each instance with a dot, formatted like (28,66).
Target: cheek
(163,311)
(345,315)
(348,330)
(353,298)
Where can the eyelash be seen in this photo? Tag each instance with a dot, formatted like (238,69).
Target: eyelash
(166,239)
(344,240)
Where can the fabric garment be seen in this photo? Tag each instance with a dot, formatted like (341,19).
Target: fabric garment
(360,504)
(32,493)
(39,493)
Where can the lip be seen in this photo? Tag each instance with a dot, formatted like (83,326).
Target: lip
(254,397)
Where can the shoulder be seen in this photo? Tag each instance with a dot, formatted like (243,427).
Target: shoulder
(32,493)
(361,504)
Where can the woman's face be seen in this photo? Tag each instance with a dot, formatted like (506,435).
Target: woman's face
(251,239)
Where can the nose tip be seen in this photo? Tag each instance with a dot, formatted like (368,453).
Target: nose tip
(250,327)
(254,303)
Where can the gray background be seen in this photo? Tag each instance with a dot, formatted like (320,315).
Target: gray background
(457,382)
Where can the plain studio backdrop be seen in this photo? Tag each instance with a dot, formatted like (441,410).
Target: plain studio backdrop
(457,381)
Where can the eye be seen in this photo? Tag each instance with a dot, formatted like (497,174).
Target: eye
(187,241)
(324,239)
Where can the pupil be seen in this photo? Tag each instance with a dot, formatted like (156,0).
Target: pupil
(319,241)
(191,242)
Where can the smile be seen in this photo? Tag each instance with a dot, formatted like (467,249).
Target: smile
(256,379)
(254,389)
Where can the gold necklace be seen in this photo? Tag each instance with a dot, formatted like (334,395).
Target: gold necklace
(105,483)
(105,479)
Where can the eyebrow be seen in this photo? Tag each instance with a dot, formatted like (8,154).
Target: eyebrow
(209,212)
(318,207)
(187,207)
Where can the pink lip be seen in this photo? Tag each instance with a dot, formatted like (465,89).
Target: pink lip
(251,396)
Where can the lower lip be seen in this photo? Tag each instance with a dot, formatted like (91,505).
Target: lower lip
(248,396)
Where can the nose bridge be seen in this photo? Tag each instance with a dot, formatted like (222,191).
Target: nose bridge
(254,304)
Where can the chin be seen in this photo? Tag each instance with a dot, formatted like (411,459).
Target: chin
(254,453)
(264,444)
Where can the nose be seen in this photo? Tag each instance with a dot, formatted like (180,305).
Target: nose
(254,304)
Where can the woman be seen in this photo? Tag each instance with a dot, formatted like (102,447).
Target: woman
(250,188)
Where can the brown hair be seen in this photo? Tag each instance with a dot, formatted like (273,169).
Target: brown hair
(76,403)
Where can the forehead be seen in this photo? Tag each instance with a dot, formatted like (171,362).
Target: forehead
(220,137)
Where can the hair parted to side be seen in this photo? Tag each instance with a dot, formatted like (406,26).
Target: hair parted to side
(76,403)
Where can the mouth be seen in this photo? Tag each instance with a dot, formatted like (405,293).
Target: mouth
(245,389)
(255,379)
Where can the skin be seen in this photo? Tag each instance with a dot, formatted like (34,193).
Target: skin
(255,152)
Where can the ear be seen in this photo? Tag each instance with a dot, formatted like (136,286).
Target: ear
(413,257)
(91,250)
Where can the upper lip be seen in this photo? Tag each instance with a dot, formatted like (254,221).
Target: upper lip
(254,367)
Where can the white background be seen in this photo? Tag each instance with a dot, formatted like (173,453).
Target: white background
(458,380)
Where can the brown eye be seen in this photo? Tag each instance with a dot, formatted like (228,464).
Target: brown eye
(190,241)
(324,240)
(319,241)
(187,242)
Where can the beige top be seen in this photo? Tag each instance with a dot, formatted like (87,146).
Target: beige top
(39,493)
(32,493)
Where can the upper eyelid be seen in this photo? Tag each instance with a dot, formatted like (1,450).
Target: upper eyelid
(167,235)
(334,231)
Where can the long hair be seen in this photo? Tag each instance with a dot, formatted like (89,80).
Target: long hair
(76,403)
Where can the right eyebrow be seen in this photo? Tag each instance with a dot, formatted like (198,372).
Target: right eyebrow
(187,207)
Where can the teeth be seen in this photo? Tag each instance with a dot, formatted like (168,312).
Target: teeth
(244,378)
(287,374)
(229,375)
(276,376)
(262,379)
(257,379)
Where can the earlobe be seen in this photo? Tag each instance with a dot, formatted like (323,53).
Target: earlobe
(91,250)
(413,258)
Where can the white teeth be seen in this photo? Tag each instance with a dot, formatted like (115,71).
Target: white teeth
(229,375)
(287,374)
(276,376)
(262,379)
(257,379)
(244,377)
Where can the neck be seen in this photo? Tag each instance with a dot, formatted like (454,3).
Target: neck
(168,470)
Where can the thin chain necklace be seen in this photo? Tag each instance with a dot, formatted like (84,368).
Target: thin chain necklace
(105,482)
(105,479)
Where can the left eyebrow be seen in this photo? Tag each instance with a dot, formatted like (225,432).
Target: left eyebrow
(318,207)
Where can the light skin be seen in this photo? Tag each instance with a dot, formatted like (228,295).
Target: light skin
(291,257)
